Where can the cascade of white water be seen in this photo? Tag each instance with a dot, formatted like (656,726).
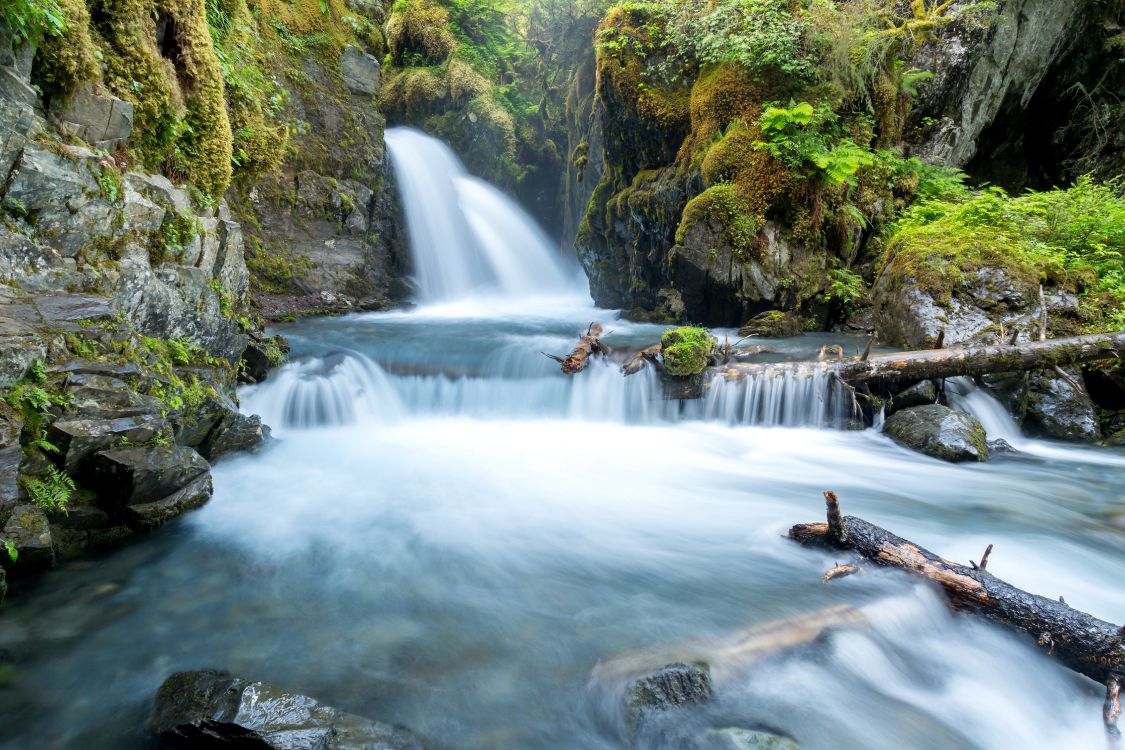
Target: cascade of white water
(467,238)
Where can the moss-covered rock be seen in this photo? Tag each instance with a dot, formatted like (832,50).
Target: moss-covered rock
(687,350)
(940,432)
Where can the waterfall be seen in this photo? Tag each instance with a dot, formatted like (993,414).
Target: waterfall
(467,238)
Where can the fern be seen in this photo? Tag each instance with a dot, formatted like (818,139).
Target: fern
(52,492)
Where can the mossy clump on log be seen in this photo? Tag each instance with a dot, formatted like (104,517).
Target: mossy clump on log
(686,351)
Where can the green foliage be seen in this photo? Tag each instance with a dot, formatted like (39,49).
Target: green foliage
(809,139)
(686,350)
(845,286)
(109,182)
(1073,237)
(30,19)
(13,553)
(51,492)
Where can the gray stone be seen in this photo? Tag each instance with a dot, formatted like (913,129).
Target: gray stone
(14,89)
(940,432)
(142,516)
(362,72)
(17,123)
(27,528)
(59,309)
(238,434)
(141,214)
(919,394)
(159,189)
(135,476)
(17,355)
(11,456)
(96,116)
(212,709)
(674,687)
(62,193)
(21,258)
(78,439)
(1056,409)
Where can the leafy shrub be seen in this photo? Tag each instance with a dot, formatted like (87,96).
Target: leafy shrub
(30,19)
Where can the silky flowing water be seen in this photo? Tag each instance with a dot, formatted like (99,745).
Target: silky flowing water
(450,534)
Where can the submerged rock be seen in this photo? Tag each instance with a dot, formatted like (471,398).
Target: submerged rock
(940,432)
(212,709)
(673,687)
(736,738)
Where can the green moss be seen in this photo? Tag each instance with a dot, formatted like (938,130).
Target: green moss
(686,351)
(418,33)
(1070,238)
(65,60)
(727,206)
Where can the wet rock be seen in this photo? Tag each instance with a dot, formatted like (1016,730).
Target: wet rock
(362,72)
(10,457)
(240,433)
(143,516)
(673,687)
(940,432)
(135,476)
(28,530)
(919,394)
(260,356)
(999,446)
(1056,409)
(94,395)
(78,439)
(212,709)
(217,407)
(773,324)
(96,116)
(17,122)
(736,738)
(3,581)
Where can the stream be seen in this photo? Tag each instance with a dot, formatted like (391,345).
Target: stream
(451,535)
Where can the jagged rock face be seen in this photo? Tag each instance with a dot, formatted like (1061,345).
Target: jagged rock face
(211,709)
(939,432)
(332,207)
(984,77)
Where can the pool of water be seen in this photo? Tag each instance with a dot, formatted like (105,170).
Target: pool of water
(450,534)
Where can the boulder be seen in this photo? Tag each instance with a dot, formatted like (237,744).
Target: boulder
(96,116)
(212,709)
(78,439)
(136,476)
(61,189)
(238,434)
(940,432)
(28,530)
(1056,409)
(362,72)
(94,395)
(143,516)
(673,687)
(17,354)
(919,394)
(260,356)
(773,324)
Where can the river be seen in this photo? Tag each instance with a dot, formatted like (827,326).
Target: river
(450,534)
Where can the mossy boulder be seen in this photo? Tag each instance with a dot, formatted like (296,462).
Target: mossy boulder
(940,432)
(773,324)
(686,351)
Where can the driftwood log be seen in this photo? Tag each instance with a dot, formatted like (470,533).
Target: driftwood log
(1082,642)
(910,367)
(638,360)
(588,345)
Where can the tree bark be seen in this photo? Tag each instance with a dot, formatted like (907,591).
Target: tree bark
(638,360)
(588,345)
(1082,642)
(910,367)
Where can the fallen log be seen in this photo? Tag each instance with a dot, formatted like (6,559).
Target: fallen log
(909,367)
(588,345)
(637,362)
(1082,642)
